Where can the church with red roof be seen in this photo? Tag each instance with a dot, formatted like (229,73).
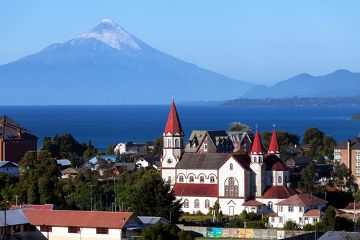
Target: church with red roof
(254,181)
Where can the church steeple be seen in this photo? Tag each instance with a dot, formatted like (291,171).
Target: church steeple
(257,147)
(173,124)
(274,145)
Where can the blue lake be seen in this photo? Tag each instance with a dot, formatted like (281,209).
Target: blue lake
(105,125)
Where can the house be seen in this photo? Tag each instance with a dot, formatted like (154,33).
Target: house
(241,140)
(254,181)
(300,208)
(69,173)
(132,148)
(202,141)
(15,140)
(120,167)
(12,222)
(85,225)
(348,153)
(148,162)
(151,220)
(298,162)
(9,168)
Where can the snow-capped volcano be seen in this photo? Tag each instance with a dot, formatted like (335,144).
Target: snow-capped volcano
(112,35)
(108,65)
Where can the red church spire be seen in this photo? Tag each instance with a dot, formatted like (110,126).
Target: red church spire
(274,145)
(257,145)
(173,124)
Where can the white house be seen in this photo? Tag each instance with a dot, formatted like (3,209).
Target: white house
(254,182)
(301,208)
(85,225)
(9,168)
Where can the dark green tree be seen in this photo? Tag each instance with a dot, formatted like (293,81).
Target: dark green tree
(313,134)
(158,147)
(240,127)
(285,139)
(329,219)
(290,225)
(109,150)
(307,179)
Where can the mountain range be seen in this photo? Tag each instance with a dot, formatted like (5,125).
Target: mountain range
(108,65)
(341,83)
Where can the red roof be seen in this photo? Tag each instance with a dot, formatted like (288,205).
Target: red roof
(350,206)
(257,145)
(274,163)
(279,192)
(196,189)
(313,213)
(173,124)
(274,145)
(69,218)
(35,207)
(302,199)
(253,203)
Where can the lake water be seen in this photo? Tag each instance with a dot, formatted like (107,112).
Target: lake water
(105,125)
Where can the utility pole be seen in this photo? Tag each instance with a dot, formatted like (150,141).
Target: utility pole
(16,200)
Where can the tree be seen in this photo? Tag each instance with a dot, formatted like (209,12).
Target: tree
(158,147)
(312,134)
(341,173)
(240,127)
(307,179)
(163,232)
(329,219)
(320,145)
(216,210)
(109,150)
(285,139)
(39,181)
(290,225)
(145,193)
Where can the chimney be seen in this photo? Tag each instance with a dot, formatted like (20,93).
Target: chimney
(348,147)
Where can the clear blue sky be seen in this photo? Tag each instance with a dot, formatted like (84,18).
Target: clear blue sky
(257,41)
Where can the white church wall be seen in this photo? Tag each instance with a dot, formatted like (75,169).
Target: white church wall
(202,204)
(197,173)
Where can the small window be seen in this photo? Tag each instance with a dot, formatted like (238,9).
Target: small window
(45,228)
(212,179)
(301,209)
(202,179)
(280,208)
(186,203)
(181,179)
(279,179)
(291,208)
(102,231)
(255,159)
(196,203)
(315,220)
(280,219)
(169,143)
(191,179)
(73,229)
(272,219)
(207,203)
(270,205)
(205,147)
(169,179)
(231,166)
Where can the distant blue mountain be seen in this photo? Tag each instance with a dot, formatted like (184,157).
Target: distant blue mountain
(108,65)
(341,83)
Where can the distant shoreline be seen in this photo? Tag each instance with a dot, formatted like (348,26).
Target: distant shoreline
(294,102)
(356,116)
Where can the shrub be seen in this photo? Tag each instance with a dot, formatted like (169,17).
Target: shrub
(290,225)
(309,227)
(255,224)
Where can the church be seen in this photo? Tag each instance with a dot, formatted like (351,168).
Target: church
(239,181)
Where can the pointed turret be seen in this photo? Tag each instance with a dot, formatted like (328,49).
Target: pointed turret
(257,147)
(173,124)
(274,145)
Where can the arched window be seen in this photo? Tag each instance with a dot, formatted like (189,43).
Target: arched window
(255,159)
(279,179)
(177,143)
(207,203)
(202,179)
(169,143)
(186,203)
(231,187)
(212,179)
(231,166)
(181,178)
(270,205)
(191,179)
(196,203)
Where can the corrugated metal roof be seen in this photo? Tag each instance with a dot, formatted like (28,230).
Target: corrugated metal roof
(13,217)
